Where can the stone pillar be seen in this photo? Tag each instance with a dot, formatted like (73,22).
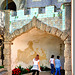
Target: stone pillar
(0,57)
(67,55)
(1,44)
(68,17)
(7,43)
(7,55)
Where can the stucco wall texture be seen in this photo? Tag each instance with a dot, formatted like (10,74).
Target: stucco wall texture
(26,46)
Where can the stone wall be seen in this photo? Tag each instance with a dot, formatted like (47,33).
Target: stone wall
(1,19)
(50,17)
(54,22)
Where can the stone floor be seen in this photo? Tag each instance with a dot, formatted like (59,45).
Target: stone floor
(41,73)
(46,73)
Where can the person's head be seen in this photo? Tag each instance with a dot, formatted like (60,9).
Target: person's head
(58,57)
(52,56)
(37,57)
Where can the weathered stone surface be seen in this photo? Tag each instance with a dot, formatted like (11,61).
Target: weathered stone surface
(48,29)
(16,32)
(26,28)
(6,51)
(68,73)
(8,68)
(8,73)
(53,30)
(7,62)
(2,69)
(67,64)
(67,53)
(59,33)
(67,42)
(0,62)
(68,46)
(13,35)
(43,27)
(34,22)
(21,30)
(29,25)
(38,25)
(64,36)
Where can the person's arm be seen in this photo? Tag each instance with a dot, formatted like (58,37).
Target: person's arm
(54,62)
(49,61)
(60,65)
(39,65)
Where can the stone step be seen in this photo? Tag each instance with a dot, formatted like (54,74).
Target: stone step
(2,71)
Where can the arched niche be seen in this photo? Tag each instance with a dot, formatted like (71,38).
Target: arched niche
(11,5)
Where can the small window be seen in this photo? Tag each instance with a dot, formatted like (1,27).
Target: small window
(41,10)
(36,0)
(61,0)
(27,11)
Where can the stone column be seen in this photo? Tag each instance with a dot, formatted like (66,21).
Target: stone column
(67,55)
(68,17)
(0,57)
(7,43)
(7,55)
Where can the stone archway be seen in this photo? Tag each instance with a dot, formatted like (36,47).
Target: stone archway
(11,5)
(35,23)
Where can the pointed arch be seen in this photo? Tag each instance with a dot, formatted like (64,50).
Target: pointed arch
(35,23)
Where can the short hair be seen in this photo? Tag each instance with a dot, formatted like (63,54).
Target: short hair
(37,55)
(58,57)
(52,56)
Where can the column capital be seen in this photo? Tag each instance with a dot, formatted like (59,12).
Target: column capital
(67,3)
(67,42)
(7,11)
(8,42)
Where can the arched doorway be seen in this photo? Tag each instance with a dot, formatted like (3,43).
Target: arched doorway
(34,42)
(35,23)
(11,5)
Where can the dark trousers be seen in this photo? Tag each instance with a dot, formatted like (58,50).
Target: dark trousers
(52,68)
(34,71)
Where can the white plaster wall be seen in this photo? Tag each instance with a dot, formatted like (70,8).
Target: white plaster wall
(26,46)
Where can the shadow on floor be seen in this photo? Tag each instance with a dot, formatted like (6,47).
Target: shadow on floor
(62,72)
